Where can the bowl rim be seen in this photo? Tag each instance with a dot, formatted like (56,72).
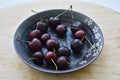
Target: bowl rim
(62,71)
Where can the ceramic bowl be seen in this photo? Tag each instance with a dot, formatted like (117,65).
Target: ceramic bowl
(87,55)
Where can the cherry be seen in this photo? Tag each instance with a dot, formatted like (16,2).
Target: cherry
(42,26)
(35,45)
(34,34)
(53,22)
(76,26)
(64,51)
(80,34)
(38,57)
(61,30)
(76,45)
(50,59)
(62,63)
(45,37)
(52,44)
(50,55)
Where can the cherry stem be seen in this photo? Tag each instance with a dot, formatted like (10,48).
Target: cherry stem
(82,38)
(18,38)
(37,12)
(65,11)
(72,12)
(41,20)
(54,50)
(74,28)
(89,41)
(36,27)
(33,11)
(56,68)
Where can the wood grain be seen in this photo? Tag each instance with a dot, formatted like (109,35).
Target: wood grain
(106,67)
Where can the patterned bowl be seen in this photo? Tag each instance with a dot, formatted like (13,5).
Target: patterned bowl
(89,52)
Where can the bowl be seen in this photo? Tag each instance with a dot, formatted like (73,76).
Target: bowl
(89,52)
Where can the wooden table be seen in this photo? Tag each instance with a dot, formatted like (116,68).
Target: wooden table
(106,67)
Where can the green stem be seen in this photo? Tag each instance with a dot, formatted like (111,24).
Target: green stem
(72,13)
(56,68)
(64,11)
(54,50)
(38,22)
(33,11)
(18,38)
(82,38)
(36,27)
(89,42)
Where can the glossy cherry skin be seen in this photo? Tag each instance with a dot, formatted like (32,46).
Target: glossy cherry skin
(76,26)
(79,34)
(61,30)
(53,22)
(45,37)
(35,45)
(42,26)
(50,55)
(38,57)
(76,46)
(34,34)
(63,63)
(52,44)
(64,51)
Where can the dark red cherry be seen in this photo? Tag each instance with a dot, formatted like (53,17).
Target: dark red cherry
(38,57)
(42,26)
(80,34)
(52,44)
(64,51)
(61,30)
(35,45)
(76,46)
(76,26)
(50,55)
(62,63)
(53,22)
(45,37)
(34,34)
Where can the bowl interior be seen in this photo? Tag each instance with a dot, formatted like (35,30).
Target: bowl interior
(88,54)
